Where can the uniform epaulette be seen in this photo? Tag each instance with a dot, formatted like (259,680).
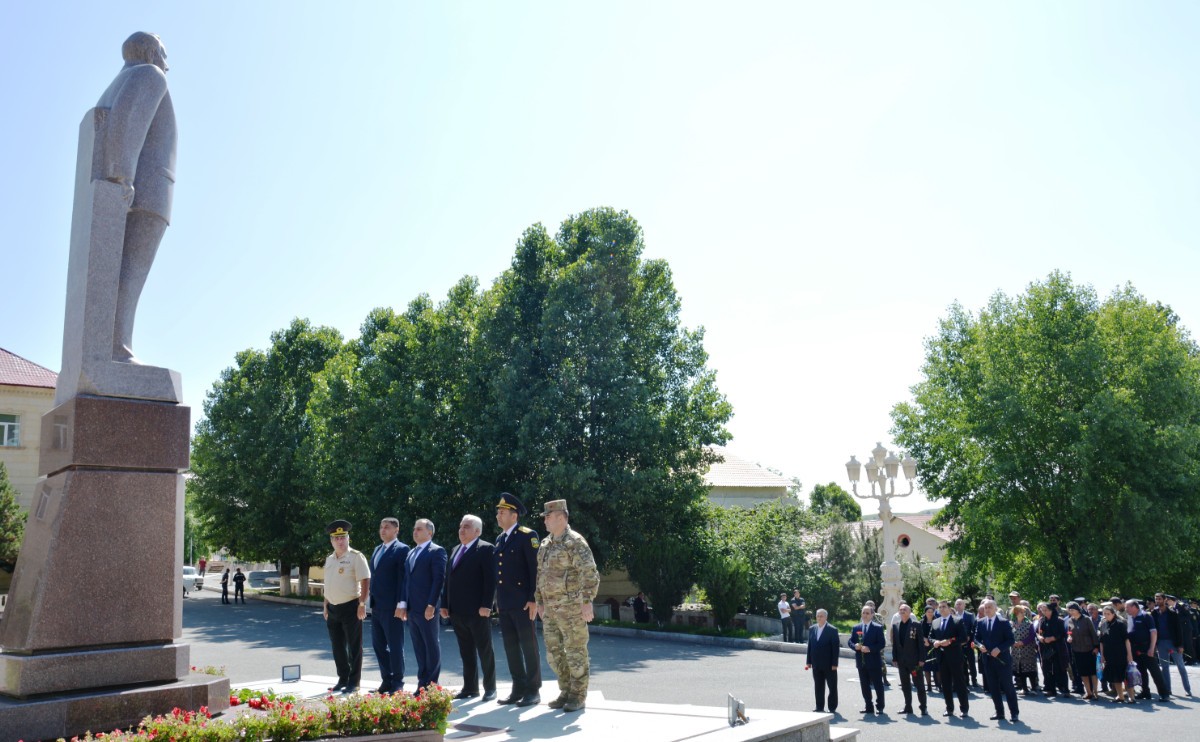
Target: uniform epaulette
(524,529)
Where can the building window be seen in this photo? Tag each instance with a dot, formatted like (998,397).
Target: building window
(904,541)
(10,430)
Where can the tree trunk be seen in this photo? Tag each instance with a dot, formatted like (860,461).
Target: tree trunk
(304,579)
(285,579)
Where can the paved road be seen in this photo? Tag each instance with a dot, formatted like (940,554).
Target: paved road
(255,640)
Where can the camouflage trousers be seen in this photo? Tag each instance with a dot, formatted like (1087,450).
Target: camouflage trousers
(566,635)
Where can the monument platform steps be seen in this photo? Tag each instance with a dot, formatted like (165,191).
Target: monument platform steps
(607,720)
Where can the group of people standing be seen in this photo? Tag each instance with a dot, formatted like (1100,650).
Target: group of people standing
(793,615)
(239,586)
(1108,648)
(519,579)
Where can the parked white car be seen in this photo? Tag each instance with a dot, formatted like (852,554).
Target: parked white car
(192,579)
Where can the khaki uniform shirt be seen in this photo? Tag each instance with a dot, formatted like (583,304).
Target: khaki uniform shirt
(343,575)
(567,572)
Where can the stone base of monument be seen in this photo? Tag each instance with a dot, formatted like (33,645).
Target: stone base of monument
(604,720)
(68,714)
(82,646)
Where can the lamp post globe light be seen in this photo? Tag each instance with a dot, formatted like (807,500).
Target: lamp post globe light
(882,469)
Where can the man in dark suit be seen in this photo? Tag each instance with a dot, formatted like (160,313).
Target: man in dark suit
(467,602)
(425,578)
(516,581)
(994,637)
(387,590)
(868,641)
(823,646)
(968,622)
(950,638)
(908,655)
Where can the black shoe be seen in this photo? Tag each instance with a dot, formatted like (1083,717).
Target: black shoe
(879,710)
(465,694)
(488,695)
(868,711)
(818,711)
(350,690)
(950,712)
(509,700)
(530,699)
(383,689)
(924,712)
(906,710)
(338,688)
(1165,698)
(996,717)
(965,714)
(1016,719)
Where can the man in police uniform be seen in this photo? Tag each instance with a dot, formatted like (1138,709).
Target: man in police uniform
(347,587)
(516,578)
(567,581)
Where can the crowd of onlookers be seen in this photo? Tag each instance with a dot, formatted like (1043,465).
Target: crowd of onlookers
(1088,648)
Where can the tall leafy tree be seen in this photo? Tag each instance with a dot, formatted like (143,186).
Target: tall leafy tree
(388,413)
(1064,432)
(589,388)
(12,520)
(256,488)
(831,498)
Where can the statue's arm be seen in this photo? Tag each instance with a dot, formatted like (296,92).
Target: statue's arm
(129,118)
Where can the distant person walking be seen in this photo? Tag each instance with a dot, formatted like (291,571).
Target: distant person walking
(239,586)
(225,587)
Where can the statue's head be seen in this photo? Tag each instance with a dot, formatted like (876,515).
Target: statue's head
(145,48)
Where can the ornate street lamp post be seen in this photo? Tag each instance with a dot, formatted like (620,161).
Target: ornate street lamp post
(882,469)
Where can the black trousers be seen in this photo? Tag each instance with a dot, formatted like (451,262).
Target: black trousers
(787,628)
(999,678)
(954,683)
(1054,674)
(969,655)
(521,650)
(239,591)
(225,593)
(1148,665)
(345,634)
(906,685)
(868,678)
(824,680)
(474,635)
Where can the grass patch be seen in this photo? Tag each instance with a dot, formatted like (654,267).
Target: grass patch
(274,592)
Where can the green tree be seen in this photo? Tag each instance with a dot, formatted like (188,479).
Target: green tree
(12,520)
(586,386)
(780,542)
(830,498)
(388,414)
(726,582)
(256,487)
(666,569)
(1061,429)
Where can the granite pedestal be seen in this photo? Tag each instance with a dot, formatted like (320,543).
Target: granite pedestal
(84,645)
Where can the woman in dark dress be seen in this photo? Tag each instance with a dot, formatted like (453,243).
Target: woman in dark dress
(1052,642)
(1114,654)
(931,658)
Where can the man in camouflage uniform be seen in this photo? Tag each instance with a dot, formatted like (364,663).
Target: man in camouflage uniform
(567,581)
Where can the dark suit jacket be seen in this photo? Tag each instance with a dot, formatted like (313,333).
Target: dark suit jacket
(472,584)
(954,630)
(426,578)
(387,579)
(823,653)
(912,652)
(516,569)
(872,637)
(1001,636)
(969,621)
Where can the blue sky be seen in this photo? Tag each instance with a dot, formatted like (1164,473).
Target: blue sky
(823,178)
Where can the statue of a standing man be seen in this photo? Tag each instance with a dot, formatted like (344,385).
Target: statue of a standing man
(135,148)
